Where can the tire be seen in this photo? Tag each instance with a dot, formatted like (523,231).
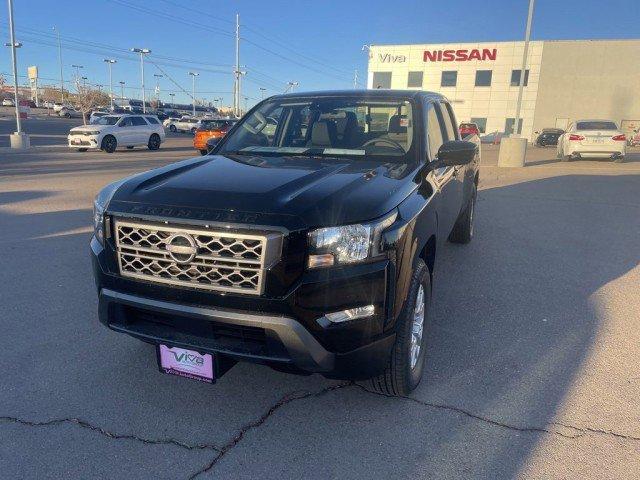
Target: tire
(463,229)
(203,152)
(109,144)
(129,147)
(400,378)
(154,142)
(172,128)
(619,159)
(82,149)
(193,131)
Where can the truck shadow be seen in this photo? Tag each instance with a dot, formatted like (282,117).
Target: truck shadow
(514,320)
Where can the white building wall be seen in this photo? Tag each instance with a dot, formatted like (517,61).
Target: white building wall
(495,103)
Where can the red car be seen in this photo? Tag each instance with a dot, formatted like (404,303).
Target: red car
(467,129)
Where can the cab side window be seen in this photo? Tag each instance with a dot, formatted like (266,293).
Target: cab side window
(434,132)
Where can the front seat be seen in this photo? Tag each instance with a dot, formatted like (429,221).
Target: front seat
(348,132)
(398,131)
(323,134)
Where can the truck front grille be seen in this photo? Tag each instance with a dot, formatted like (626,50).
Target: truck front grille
(197,258)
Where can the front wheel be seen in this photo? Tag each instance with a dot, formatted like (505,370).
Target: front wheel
(109,144)
(406,363)
(619,159)
(154,142)
(172,128)
(463,229)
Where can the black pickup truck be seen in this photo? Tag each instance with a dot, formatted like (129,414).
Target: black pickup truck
(306,240)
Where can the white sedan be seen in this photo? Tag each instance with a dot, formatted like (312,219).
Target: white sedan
(113,131)
(592,139)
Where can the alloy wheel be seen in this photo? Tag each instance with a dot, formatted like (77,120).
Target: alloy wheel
(417,328)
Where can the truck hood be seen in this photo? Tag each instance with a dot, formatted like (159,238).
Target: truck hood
(316,191)
(90,128)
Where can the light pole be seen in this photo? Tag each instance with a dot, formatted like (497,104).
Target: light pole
(84,82)
(527,35)
(121,89)
(18,139)
(291,86)
(142,52)
(99,85)
(110,62)
(60,61)
(172,95)
(193,94)
(158,77)
(77,67)
(246,100)
(262,90)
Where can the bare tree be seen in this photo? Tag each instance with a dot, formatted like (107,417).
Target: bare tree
(86,99)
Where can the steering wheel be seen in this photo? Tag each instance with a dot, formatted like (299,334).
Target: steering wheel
(387,141)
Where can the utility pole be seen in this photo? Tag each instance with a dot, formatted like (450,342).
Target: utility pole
(99,85)
(121,89)
(527,35)
(158,77)
(60,61)
(236,85)
(193,90)
(18,139)
(355,79)
(142,52)
(246,100)
(110,62)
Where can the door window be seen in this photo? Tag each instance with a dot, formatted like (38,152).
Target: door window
(125,122)
(137,121)
(434,132)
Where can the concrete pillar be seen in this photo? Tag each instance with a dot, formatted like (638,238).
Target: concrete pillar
(19,140)
(512,152)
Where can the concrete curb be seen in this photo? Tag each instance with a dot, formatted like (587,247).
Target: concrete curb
(31,148)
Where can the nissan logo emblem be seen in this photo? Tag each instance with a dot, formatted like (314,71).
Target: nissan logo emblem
(181,247)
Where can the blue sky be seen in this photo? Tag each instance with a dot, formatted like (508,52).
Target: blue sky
(317,43)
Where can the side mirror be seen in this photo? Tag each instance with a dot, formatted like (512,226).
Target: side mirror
(455,152)
(211,143)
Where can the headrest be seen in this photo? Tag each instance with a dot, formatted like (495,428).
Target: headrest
(323,133)
(398,124)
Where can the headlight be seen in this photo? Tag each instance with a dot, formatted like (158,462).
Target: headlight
(347,244)
(100,205)
(96,132)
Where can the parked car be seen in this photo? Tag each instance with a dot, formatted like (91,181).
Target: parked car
(308,250)
(69,112)
(493,137)
(467,129)
(592,139)
(548,136)
(187,124)
(7,102)
(113,131)
(210,129)
(95,115)
(634,140)
(57,106)
(171,121)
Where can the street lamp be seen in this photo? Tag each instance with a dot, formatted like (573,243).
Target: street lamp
(99,85)
(84,82)
(172,95)
(77,67)
(110,62)
(18,139)
(142,52)
(291,86)
(60,61)
(262,90)
(158,77)
(193,77)
(121,89)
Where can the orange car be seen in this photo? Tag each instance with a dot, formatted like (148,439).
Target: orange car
(210,129)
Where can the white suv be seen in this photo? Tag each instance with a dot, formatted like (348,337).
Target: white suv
(113,131)
(592,138)
(187,124)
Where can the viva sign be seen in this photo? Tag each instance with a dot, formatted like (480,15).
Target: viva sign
(462,55)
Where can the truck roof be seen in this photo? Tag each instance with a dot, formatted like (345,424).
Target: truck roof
(375,93)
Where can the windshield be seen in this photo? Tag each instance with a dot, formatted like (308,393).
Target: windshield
(326,126)
(596,126)
(106,120)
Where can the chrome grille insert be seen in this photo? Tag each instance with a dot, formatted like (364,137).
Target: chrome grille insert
(195,257)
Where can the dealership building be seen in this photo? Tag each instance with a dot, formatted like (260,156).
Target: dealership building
(564,80)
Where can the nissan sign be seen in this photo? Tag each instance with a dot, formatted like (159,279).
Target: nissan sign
(462,55)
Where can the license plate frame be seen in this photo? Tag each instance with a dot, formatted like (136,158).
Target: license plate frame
(183,362)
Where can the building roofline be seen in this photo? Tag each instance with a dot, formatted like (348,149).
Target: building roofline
(507,41)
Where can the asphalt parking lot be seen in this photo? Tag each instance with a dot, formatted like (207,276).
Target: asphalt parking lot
(532,370)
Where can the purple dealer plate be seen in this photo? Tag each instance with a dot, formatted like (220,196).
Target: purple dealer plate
(186,363)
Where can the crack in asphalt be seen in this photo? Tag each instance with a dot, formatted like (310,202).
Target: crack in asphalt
(115,436)
(285,400)
(579,431)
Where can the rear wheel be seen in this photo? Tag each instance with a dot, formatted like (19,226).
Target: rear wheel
(109,144)
(172,128)
(154,142)
(406,363)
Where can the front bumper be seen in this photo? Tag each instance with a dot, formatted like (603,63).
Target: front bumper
(282,331)
(82,141)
